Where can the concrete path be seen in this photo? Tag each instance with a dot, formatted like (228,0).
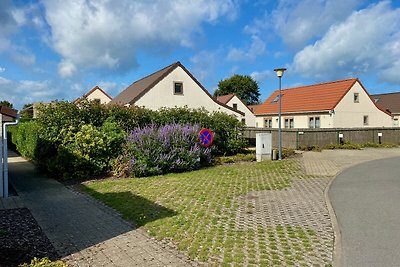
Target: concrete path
(366,200)
(84,232)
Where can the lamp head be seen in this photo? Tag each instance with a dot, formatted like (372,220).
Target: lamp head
(279,72)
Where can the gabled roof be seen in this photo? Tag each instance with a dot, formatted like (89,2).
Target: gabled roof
(139,88)
(389,101)
(90,92)
(253,107)
(317,97)
(225,98)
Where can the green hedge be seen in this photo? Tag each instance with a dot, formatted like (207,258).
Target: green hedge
(69,141)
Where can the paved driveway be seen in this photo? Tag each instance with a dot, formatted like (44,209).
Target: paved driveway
(366,200)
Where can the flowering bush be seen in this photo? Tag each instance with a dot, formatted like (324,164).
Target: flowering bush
(153,150)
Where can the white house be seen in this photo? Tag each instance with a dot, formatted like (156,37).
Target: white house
(236,103)
(96,94)
(338,104)
(172,86)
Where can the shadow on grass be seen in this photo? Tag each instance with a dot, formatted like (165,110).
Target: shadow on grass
(134,208)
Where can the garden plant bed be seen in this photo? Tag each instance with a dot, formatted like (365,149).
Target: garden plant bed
(268,213)
(22,239)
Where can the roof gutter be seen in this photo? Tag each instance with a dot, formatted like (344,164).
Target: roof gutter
(4,192)
(330,111)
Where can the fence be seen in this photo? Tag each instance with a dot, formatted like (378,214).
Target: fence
(295,138)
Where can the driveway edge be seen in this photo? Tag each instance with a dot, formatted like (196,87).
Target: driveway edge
(337,249)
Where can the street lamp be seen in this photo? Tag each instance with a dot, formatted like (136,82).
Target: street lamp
(279,73)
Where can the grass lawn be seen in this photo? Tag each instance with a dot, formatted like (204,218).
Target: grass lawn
(197,212)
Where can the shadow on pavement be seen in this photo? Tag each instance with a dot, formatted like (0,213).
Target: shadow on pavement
(72,221)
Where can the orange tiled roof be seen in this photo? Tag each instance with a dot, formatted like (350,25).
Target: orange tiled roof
(317,97)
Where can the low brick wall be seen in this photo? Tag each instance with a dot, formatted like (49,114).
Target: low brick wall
(295,138)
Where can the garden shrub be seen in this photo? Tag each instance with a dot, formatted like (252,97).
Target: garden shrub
(25,138)
(153,150)
(68,140)
(226,128)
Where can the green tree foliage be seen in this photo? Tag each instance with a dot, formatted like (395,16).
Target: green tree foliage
(243,85)
(6,103)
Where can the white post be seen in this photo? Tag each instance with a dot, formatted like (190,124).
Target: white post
(2,159)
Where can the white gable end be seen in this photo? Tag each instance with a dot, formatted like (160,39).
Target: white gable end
(163,95)
(356,109)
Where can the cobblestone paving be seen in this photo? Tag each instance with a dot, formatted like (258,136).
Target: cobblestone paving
(296,219)
(289,227)
(84,232)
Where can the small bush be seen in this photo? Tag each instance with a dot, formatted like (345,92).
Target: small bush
(153,150)
(44,262)
(288,152)
(314,148)
(346,145)
(236,158)
(377,145)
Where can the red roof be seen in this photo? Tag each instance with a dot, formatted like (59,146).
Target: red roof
(317,97)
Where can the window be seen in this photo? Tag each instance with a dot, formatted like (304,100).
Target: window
(178,88)
(356,98)
(234,105)
(314,122)
(396,122)
(365,120)
(289,123)
(268,123)
(317,122)
(96,100)
(244,120)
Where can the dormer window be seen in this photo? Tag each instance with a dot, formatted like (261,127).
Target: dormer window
(234,106)
(276,99)
(178,88)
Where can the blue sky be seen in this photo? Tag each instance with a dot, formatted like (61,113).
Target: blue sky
(56,49)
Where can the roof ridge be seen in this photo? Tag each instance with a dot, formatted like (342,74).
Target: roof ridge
(317,84)
(392,93)
(165,68)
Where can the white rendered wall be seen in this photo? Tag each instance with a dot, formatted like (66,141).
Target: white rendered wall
(97,94)
(350,115)
(249,116)
(162,95)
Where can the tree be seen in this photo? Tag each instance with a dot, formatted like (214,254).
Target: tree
(245,87)
(27,111)
(6,103)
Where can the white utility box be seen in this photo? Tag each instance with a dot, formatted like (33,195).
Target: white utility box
(263,146)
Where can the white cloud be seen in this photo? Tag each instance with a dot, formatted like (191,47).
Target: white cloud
(261,75)
(368,41)
(256,49)
(66,68)
(206,64)
(26,91)
(298,22)
(102,34)
(2,69)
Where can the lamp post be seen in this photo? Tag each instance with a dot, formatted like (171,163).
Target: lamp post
(279,73)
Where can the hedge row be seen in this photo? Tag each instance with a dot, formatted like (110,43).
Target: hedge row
(69,141)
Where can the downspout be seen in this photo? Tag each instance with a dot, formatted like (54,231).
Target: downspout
(5,155)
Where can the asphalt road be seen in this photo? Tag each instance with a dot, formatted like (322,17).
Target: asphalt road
(366,200)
